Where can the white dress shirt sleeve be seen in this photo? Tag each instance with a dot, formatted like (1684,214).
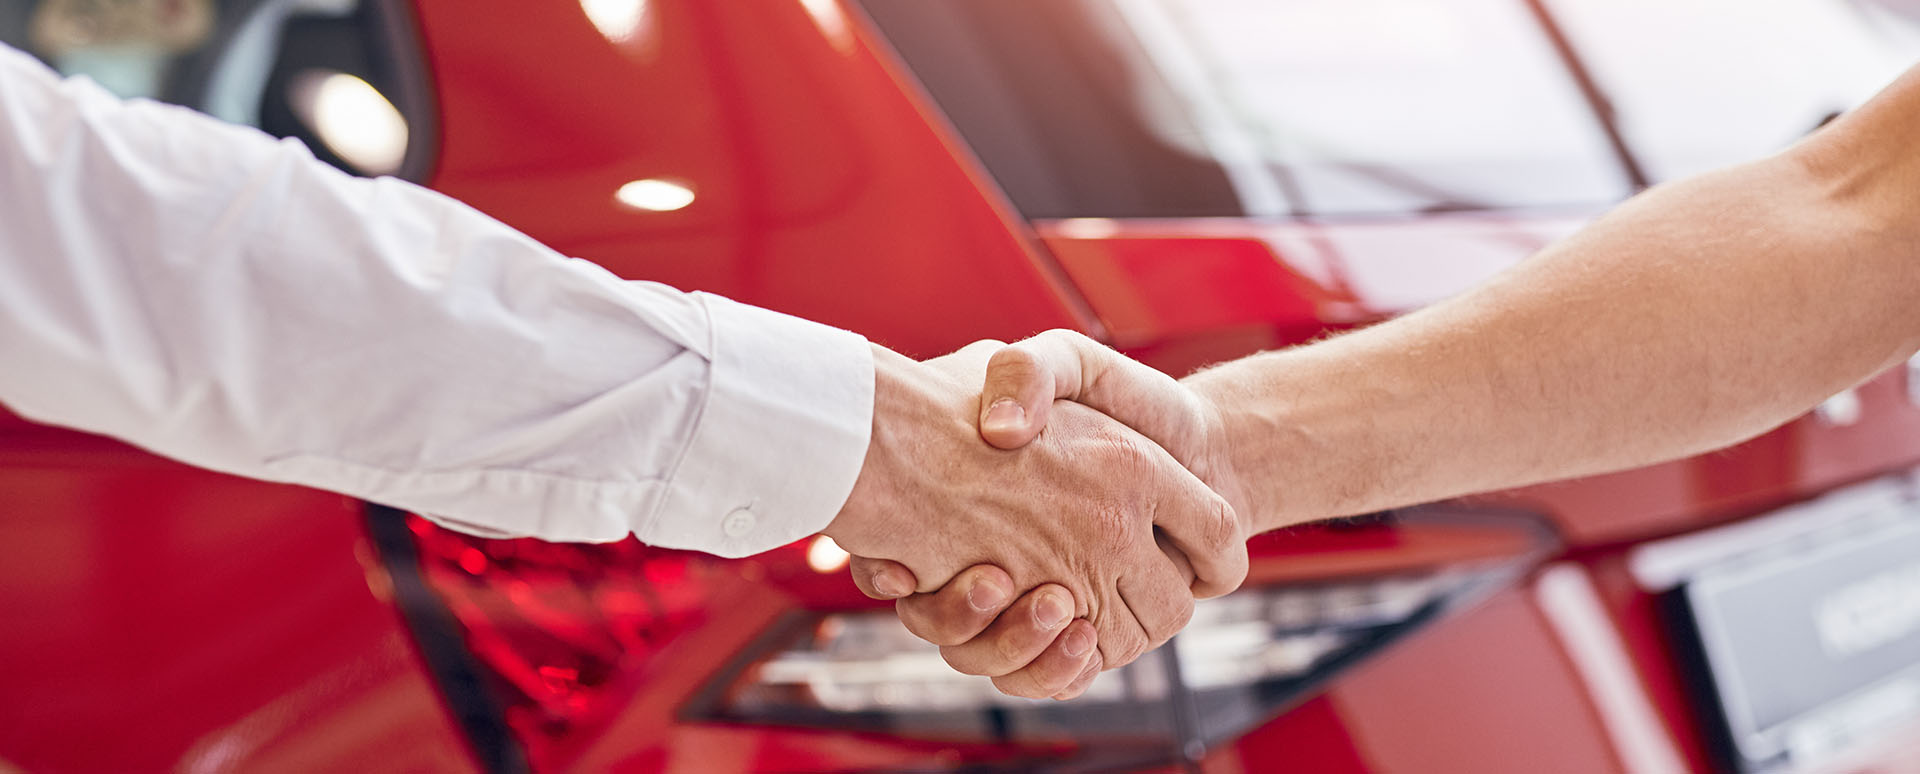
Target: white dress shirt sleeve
(220,297)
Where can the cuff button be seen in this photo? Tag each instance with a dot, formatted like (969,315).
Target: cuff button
(738,523)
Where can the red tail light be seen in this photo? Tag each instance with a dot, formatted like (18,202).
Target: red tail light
(556,623)
(537,644)
(541,646)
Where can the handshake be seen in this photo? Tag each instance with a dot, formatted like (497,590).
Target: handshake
(1075,539)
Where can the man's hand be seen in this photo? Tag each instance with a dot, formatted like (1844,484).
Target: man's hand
(1089,506)
(1698,314)
(1026,656)
(1022,381)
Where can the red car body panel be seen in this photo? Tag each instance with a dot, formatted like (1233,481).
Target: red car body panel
(160,617)
(824,189)
(1450,703)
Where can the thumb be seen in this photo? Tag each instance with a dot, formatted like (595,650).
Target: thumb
(1023,379)
(1021,383)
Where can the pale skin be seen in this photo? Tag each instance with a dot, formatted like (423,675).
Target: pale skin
(1696,315)
(1114,537)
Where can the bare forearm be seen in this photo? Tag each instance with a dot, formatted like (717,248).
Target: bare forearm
(1697,315)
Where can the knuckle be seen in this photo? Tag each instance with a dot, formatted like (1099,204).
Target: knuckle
(1224,532)
(1220,533)
(1129,455)
(1019,352)
(1164,613)
(1065,336)
(1015,367)
(1078,685)
(1182,615)
(925,621)
(1120,530)
(1123,453)
(951,632)
(1121,650)
(1226,564)
(915,626)
(984,345)
(1048,682)
(1009,650)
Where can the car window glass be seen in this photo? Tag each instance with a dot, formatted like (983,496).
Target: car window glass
(341,75)
(1700,84)
(1122,108)
(1393,105)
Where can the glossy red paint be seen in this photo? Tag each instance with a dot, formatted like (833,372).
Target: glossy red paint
(162,618)
(822,188)
(165,618)
(1488,692)
(1317,552)
(1294,278)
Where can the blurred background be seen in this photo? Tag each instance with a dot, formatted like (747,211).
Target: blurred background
(1187,180)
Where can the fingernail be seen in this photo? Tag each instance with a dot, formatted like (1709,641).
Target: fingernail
(1004,414)
(985,597)
(1051,612)
(887,584)
(1078,642)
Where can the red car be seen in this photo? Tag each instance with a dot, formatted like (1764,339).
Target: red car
(1188,181)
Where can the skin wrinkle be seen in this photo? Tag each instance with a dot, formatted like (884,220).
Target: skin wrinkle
(1075,508)
(1137,642)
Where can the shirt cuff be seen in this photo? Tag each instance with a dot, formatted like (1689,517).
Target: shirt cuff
(780,441)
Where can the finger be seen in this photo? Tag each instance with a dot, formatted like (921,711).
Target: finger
(1017,637)
(1201,523)
(1025,377)
(1203,528)
(1121,636)
(1154,589)
(1019,391)
(1055,668)
(960,610)
(1081,683)
(882,578)
(1181,564)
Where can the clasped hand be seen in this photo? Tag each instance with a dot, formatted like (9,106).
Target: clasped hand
(1110,510)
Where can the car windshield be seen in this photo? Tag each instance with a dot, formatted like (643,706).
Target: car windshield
(1141,108)
(1700,84)
(336,74)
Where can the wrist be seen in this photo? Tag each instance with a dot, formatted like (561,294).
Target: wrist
(1224,424)
(855,526)
(918,415)
(1271,434)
